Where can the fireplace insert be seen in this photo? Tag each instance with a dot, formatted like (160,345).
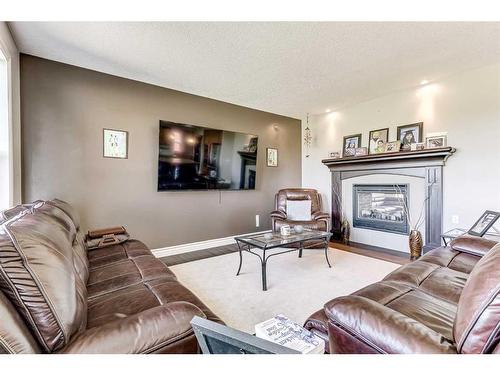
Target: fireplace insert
(381,207)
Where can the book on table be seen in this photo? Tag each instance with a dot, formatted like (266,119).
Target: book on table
(286,332)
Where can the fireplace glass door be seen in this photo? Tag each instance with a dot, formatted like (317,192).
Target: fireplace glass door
(381,207)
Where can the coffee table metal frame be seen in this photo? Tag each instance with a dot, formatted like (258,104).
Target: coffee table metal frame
(245,245)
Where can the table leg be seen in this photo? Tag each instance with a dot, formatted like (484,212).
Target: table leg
(326,254)
(444,240)
(264,271)
(241,259)
(300,250)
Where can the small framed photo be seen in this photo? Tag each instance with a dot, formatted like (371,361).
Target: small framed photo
(484,223)
(361,151)
(418,146)
(351,143)
(334,155)
(252,145)
(393,146)
(409,134)
(272,157)
(436,141)
(115,144)
(378,140)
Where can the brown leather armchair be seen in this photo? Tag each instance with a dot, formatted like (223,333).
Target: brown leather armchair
(319,220)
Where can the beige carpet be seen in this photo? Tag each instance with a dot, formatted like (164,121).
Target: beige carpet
(297,287)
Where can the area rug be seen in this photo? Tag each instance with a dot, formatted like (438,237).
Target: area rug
(297,287)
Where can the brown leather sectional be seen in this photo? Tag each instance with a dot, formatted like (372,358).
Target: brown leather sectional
(57,297)
(448,301)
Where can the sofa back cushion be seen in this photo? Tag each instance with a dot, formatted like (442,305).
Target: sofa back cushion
(80,260)
(15,337)
(477,324)
(472,245)
(37,274)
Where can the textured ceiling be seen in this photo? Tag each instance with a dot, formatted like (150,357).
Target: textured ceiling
(289,68)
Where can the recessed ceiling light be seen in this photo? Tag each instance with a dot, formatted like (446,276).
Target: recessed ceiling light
(424,82)
(328,110)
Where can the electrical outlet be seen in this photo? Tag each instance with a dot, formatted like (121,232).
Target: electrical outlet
(455,219)
(257,221)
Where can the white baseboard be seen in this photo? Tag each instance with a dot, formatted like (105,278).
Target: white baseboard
(194,246)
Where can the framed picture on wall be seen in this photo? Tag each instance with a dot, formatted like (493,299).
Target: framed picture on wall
(351,143)
(410,134)
(115,144)
(378,140)
(272,157)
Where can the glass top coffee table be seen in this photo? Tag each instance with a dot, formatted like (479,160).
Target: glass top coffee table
(258,245)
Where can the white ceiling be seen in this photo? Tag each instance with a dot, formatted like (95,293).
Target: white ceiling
(288,68)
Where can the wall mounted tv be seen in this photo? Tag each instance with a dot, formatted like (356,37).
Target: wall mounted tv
(198,158)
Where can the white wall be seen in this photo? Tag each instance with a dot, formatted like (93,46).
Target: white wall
(466,106)
(9,50)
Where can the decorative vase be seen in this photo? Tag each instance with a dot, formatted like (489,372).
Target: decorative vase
(416,243)
(345,230)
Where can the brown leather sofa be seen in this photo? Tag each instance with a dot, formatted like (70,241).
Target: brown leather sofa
(319,220)
(446,302)
(57,297)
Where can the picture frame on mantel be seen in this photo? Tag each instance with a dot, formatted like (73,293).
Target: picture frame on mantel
(378,138)
(350,144)
(115,143)
(410,134)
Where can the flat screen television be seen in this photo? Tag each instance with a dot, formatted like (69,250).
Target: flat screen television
(197,158)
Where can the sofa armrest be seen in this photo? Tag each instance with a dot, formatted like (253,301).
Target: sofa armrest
(97,233)
(320,215)
(145,332)
(382,328)
(278,214)
(472,245)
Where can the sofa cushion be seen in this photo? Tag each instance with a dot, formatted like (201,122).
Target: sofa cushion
(433,312)
(477,326)
(472,245)
(140,297)
(149,331)
(124,273)
(15,337)
(115,253)
(80,259)
(383,329)
(38,275)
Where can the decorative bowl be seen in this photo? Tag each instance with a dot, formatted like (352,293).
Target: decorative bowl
(298,228)
(268,236)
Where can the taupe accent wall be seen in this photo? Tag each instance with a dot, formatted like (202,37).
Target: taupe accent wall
(63,111)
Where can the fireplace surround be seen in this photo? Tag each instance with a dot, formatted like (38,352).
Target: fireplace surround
(380,207)
(425,164)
